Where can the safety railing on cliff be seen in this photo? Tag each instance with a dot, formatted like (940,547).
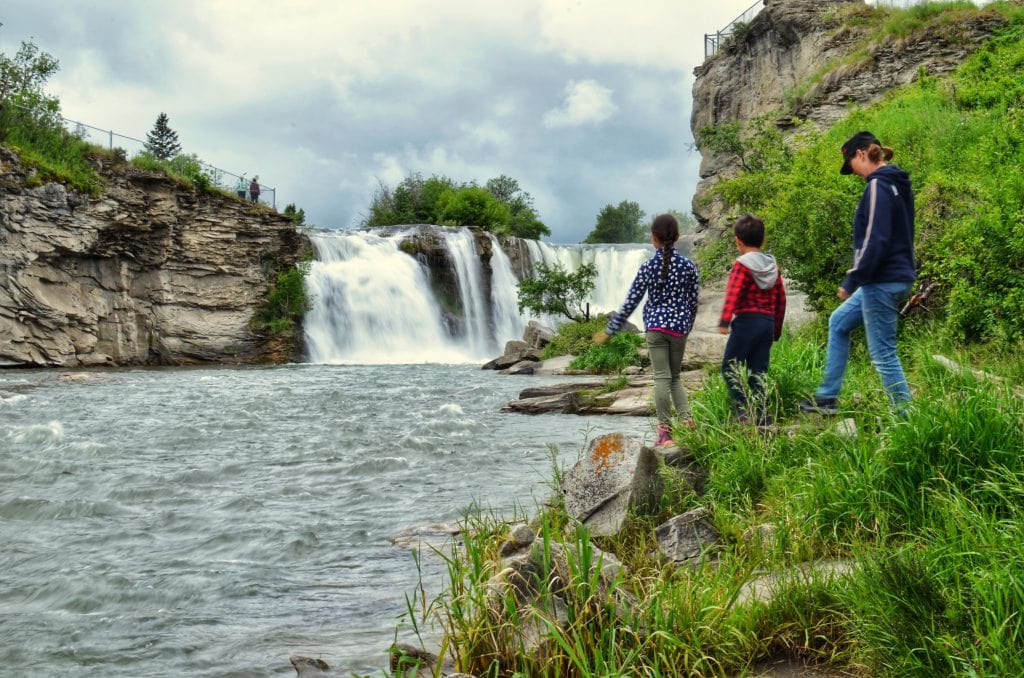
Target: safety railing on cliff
(714,41)
(228,181)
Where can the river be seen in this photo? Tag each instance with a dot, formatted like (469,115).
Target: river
(213,522)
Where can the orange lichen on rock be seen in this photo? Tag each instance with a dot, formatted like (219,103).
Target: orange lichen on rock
(604,448)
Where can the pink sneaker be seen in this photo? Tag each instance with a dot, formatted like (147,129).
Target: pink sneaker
(664,437)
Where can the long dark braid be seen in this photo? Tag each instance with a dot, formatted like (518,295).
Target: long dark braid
(666,229)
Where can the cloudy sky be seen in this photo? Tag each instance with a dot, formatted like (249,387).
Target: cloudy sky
(584,102)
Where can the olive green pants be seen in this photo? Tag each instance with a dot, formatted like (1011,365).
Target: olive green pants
(666,354)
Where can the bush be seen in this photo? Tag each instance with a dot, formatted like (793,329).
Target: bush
(619,352)
(574,338)
(471,206)
(287,301)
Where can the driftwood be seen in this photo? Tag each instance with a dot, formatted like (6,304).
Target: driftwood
(980,375)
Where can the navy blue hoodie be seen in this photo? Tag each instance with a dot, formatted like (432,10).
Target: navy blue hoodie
(883,231)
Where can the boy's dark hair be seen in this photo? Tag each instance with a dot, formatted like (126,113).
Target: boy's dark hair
(750,230)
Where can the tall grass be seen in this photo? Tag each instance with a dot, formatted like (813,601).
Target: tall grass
(54,153)
(925,513)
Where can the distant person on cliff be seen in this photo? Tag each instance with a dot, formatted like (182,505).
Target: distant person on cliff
(671,284)
(241,186)
(881,276)
(254,189)
(754,309)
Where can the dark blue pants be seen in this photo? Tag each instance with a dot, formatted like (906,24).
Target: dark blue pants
(750,345)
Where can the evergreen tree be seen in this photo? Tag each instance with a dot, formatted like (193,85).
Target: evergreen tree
(162,141)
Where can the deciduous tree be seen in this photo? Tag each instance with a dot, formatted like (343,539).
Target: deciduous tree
(622,223)
(553,290)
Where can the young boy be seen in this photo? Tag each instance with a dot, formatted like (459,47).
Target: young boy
(755,306)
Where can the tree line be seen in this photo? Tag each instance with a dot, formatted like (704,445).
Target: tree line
(500,206)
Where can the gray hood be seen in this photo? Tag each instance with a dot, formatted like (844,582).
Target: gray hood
(763,268)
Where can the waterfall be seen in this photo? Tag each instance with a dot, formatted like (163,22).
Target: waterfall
(508,322)
(373,303)
(616,267)
(476,320)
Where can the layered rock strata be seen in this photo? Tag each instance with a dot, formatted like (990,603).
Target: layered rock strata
(150,272)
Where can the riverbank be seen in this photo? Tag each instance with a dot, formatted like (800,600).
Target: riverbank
(880,546)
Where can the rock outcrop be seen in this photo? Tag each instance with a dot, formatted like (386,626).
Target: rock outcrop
(794,62)
(150,272)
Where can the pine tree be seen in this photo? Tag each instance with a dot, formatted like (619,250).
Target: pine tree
(162,141)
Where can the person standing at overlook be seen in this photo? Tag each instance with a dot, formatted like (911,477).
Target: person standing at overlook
(881,277)
(241,186)
(254,189)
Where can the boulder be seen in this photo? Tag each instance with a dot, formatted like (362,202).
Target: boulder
(615,476)
(522,367)
(309,667)
(682,461)
(687,537)
(537,336)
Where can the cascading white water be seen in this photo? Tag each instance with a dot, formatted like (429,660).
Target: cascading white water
(616,267)
(476,319)
(508,322)
(373,303)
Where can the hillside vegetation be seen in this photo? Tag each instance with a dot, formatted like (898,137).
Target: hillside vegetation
(962,141)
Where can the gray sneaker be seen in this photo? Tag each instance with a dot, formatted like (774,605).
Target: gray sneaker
(818,405)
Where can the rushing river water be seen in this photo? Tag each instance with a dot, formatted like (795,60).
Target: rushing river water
(212,522)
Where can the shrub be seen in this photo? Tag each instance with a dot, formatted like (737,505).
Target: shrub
(287,301)
(619,352)
(574,338)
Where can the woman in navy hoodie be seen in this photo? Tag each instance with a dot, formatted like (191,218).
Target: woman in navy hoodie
(881,277)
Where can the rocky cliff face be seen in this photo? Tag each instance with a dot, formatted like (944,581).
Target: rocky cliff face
(149,273)
(791,43)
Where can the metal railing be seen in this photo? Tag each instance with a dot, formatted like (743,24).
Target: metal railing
(222,179)
(714,41)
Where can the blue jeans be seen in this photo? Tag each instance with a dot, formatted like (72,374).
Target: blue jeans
(877,308)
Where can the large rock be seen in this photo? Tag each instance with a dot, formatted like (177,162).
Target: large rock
(536,335)
(686,538)
(149,272)
(615,476)
(541,583)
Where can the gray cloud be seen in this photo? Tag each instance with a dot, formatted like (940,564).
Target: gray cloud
(585,103)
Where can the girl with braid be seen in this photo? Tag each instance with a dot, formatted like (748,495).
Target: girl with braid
(671,284)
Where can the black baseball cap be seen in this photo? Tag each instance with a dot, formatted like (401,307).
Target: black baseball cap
(855,143)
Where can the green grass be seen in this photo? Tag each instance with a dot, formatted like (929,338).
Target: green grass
(50,151)
(927,512)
